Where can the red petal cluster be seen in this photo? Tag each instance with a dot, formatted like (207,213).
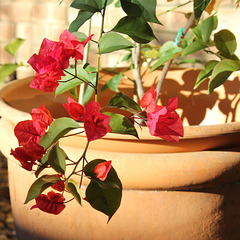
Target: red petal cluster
(28,154)
(102,169)
(52,58)
(148,100)
(59,186)
(50,203)
(28,133)
(74,109)
(96,124)
(162,121)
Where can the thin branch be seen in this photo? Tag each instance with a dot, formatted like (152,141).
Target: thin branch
(136,71)
(169,63)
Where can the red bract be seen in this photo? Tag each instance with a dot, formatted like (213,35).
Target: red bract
(51,203)
(28,154)
(26,132)
(59,186)
(148,100)
(42,116)
(55,50)
(165,122)
(102,169)
(47,82)
(96,124)
(43,64)
(74,109)
(71,45)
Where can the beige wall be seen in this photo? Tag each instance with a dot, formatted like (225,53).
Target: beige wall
(35,19)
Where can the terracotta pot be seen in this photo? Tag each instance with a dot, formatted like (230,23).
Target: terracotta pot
(171,191)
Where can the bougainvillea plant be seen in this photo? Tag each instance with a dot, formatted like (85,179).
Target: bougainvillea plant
(38,138)
(59,68)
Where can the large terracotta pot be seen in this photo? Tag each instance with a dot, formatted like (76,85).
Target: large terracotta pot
(186,190)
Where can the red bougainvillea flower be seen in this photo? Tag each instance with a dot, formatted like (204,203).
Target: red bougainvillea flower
(43,64)
(50,203)
(96,124)
(42,116)
(59,186)
(148,100)
(74,109)
(48,72)
(26,132)
(164,122)
(47,82)
(72,47)
(102,169)
(28,154)
(55,50)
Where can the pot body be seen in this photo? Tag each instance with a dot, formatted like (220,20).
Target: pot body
(170,191)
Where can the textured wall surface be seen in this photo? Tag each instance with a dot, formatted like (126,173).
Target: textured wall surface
(35,19)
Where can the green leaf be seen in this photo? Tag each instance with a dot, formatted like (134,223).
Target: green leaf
(80,35)
(104,196)
(199,7)
(122,101)
(81,18)
(40,185)
(13,46)
(113,83)
(73,188)
(204,30)
(225,42)
(205,73)
(88,5)
(194,47)
(141,9)
(153,53)
(65,85)
(221,72)
(121,125)
(57,129)
(6,70)
(57,159)
(111,42)
(168,51)
(136,28)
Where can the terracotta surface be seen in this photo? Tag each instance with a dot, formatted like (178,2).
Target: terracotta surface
(168,194)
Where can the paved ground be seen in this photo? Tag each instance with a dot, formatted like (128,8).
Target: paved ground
(7,229)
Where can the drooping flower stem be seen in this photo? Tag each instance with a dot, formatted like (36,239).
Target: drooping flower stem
(82,158)
(99,55)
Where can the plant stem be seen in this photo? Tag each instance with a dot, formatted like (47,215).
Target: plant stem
(174,8)
(169,63)
(99,55)
(82,158)
(136,71)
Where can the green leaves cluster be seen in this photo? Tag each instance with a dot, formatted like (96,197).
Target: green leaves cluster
(135,24)
(200,39)
(9,68)
(224,41)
